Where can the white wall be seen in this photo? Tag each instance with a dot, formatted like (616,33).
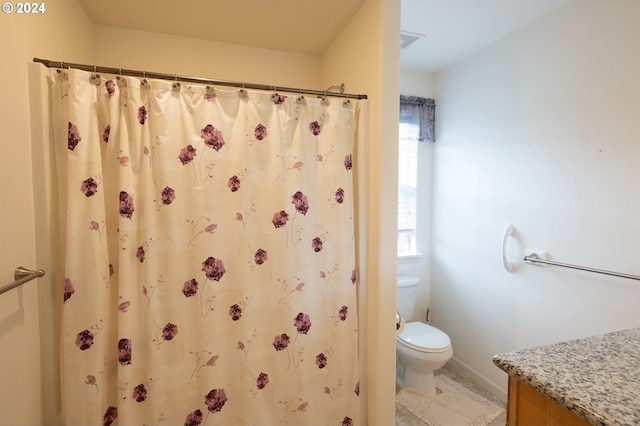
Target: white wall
(421,83)
(540,131)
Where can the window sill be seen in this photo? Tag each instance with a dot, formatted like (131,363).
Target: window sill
(409,258)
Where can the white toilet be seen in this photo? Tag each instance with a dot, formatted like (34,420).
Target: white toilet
(421,349)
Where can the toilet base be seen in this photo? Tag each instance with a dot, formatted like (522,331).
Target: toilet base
(423,381)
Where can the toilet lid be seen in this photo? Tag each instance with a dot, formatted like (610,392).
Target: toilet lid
(424,338)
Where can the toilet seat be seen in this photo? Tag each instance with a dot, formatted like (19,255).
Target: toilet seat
(424,338)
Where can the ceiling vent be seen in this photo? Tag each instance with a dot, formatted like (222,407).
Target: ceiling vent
(407,38)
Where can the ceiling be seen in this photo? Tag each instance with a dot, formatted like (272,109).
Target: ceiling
(291,25)
(454,29)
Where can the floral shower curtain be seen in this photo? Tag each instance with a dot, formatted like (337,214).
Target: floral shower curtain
(209,254)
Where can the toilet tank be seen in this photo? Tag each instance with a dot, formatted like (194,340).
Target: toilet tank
(407,292)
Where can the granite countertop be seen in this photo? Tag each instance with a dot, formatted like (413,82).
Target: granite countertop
(597,378)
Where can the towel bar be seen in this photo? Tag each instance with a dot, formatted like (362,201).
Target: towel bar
(21,276)
(533,258)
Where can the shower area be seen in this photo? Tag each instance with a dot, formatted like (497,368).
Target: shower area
(212,251)
(208,243)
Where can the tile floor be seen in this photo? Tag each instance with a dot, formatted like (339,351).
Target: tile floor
(406,418)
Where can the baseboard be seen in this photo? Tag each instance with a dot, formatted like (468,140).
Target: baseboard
(495,389)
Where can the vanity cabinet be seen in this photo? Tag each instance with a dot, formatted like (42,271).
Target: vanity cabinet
(588,381)
(527,407)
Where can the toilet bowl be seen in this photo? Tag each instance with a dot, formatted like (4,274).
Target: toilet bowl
(420,348)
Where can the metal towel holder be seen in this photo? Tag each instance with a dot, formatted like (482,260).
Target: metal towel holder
(21,276)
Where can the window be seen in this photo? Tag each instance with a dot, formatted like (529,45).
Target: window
(417,124)
(407,187)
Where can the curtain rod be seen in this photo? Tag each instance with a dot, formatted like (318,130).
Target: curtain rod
(186,79)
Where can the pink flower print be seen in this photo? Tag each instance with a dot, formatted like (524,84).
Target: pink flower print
(139,393)
(106,133)
(215,400)
(168,195)
(84,340)
(281,342)
(193,419)
(263,380)
(126,205)
(260,132)
(109,416)
(212,361)
(124,306)
(68,289)
(302,406)
(327,390)
(315,128)
(111,87)
(124,160)
(91,380)
(190,288)
(240,346)
(353,276)
(94,226)
(340,196)
(344,311)
(212,137)
(302,323)
(213,268)
(280,219)
(74,136)
(235,312)
(321,360)
(356,390)
(124,351)
(169,331)
(261,257)
(299,200)
(239,216)
(347,421)
(211,228)
(348,164)
(186,154)
(142,114)
(89,187)
(234,183)
(140,254)
(316,244)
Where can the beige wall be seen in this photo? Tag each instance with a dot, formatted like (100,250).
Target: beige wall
(27,315)
(366,57)
(62,31)
(140,50)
